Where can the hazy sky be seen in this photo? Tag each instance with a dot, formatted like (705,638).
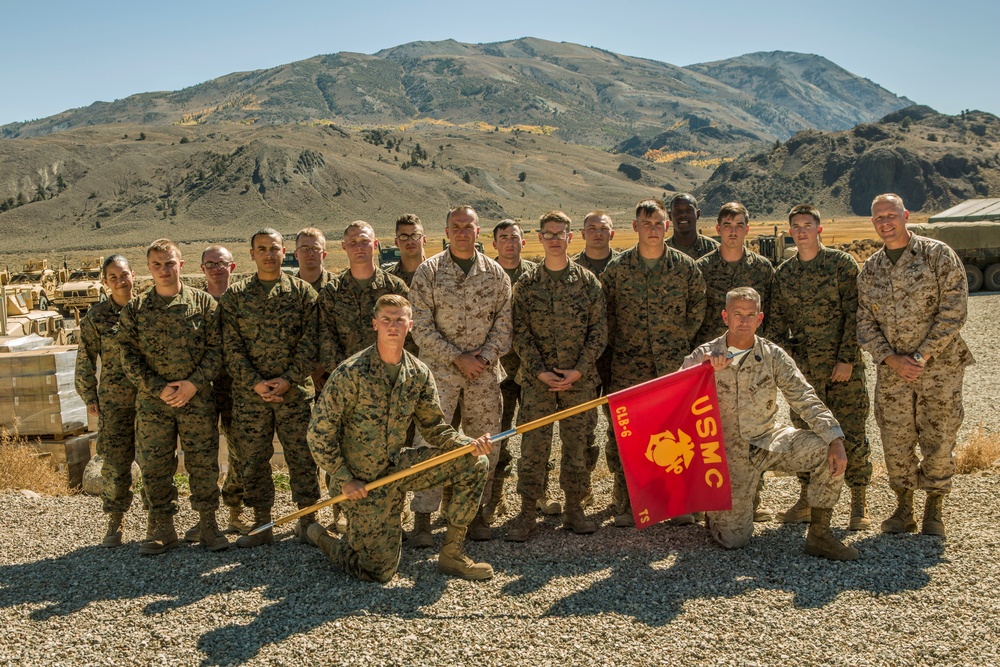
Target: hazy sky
(61,54)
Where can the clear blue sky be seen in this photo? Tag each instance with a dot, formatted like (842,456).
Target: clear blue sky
(62,54)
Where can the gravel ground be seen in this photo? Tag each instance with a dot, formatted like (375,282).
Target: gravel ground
(663,596)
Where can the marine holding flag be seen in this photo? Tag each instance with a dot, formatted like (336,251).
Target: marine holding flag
(748,372)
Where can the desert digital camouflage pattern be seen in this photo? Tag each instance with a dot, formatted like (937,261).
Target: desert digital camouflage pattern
(271,334)
(166,340)
(756,442)
(814,317)
(558,324)
(918,305)
(720,277)
(359,430)
(115,399)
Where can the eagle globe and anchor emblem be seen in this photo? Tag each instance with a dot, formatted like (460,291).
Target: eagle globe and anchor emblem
(672,453)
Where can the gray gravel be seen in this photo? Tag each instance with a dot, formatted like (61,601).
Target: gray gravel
(661,596)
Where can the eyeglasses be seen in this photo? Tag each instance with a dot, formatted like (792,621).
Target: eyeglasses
(311,249)
(409,237)
(551,236)
(215,265)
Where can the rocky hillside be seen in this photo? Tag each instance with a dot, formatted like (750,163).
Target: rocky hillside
(578,93)
(932,160)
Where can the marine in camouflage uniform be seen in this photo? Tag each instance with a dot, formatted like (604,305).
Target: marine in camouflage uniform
(913,301)
(701,247)
(755,441)
(684,214)
(410,240)
(358,433)
(721,276)
(166,340)
(458,316)
(654,313)
(560,323)
(269,331)
(814,310)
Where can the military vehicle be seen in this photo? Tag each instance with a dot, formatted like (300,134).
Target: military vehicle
(37,278)
(387,256)
(82,288)
(19,319)
(777,247)
(977,244)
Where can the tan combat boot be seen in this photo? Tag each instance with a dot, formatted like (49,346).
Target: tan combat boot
(933,523)
(339,523)
(302,527)
(421,535)
(859,510)
(453,560)
(160,536)
(760,514)
(237,524)
(116,529)
(574,519)
(479,530)
(495,506)
(210,536)
(193,534)
(821,542)
(901,520)
(322,538)
(799,512)
(524,524)
(548,504)
(261,517)
(622,503)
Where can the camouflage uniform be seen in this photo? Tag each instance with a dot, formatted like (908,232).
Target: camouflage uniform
(510,389)
(115,399)
(814,310)
(397,270)
(603,362)
(702,246)
(358,431)
(269,335)
(755,442)
(653,316)
(232,485)
(325,277)
(346,312)
(165,340)
(720,277)
(919,305)
(452,314)
(557,324)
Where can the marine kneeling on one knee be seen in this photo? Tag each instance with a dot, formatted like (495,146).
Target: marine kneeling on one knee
(749,371)
(358,432)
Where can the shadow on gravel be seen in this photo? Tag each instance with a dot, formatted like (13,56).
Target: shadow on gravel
(651,580)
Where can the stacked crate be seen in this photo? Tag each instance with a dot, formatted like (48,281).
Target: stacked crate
(37,394)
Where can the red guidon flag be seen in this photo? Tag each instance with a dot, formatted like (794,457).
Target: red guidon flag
(669,435)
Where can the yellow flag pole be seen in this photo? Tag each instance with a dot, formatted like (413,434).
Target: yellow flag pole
(438,460)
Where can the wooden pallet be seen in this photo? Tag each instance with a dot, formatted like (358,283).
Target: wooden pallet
(55,437)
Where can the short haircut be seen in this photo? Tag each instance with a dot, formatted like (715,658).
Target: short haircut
(649,207)
(218,247)
(804,209)
(505,224)
(687,196)
(892,198)
(733,209)
(359,224)
(599,213)
(408,219)
(392,301)
(743,294)
(114,259)
(311,232)
(162,245)
(555,216)
(266,231)
(461,207)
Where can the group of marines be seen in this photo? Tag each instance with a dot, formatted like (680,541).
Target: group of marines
(370,371)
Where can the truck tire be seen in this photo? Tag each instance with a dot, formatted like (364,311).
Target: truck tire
(991,278)
(975,276)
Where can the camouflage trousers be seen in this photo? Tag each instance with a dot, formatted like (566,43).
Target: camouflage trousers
(232,485)
(574,475)
(848,401)
(924,414)
(482,406)
(158,428)
(255,423)
(617,383)
(116,445)
(806,453)
(604,372)
(511,394)
(371,548)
